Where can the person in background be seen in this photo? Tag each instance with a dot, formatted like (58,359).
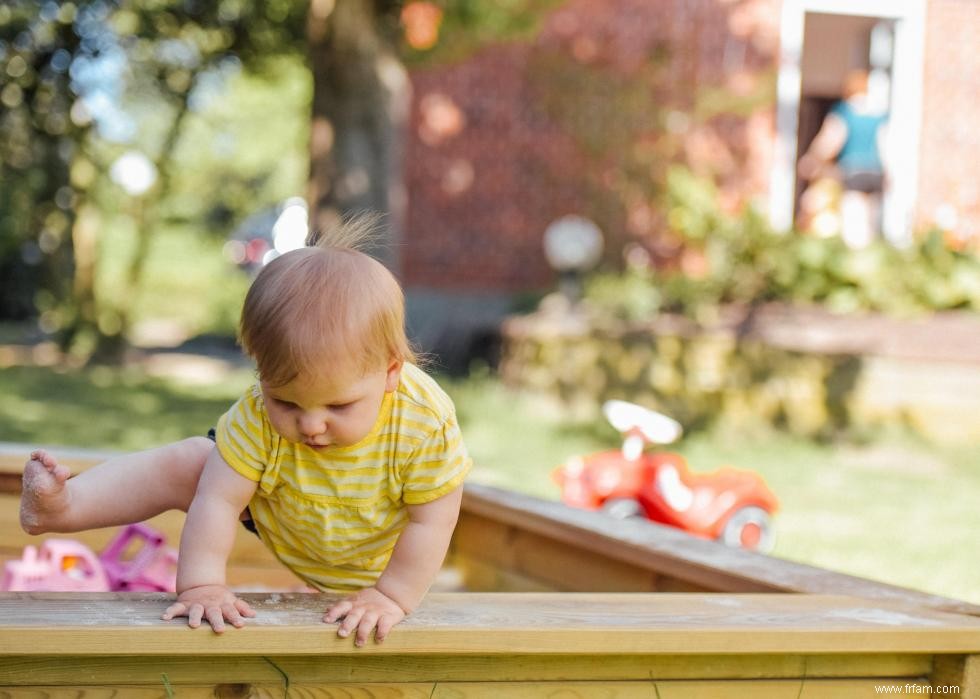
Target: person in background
(849,147)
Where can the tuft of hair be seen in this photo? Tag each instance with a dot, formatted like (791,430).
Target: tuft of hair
(363,231)
(326,307)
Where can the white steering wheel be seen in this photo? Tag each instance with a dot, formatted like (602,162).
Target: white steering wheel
(655,427)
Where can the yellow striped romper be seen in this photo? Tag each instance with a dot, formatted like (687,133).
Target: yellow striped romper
(332,516)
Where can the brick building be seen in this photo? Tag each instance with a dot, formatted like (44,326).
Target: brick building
(583,118)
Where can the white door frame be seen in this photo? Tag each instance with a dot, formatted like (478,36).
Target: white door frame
(905,118)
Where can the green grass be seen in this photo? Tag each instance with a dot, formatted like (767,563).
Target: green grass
(108,408)
(894,510)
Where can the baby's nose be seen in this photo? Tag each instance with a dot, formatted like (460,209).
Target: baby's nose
(312,425)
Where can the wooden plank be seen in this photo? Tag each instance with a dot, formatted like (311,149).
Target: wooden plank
(667,551)
(547,690)
(776,689)
(479,576)
(962,672)
(782,689)
(60,670)
(505,624)
(554,564)
(162,688)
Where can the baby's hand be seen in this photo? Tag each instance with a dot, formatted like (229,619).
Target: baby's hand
(215,602)
(366,610)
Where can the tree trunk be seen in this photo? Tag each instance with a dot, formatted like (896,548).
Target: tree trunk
(360,105)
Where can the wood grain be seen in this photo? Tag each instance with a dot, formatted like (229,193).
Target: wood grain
(492,519)
(762,689)
(502,623)
(59,670)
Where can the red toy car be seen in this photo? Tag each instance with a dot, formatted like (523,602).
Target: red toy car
(729,505)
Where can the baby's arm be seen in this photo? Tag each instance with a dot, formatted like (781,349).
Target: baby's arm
(415,561)
(209,533)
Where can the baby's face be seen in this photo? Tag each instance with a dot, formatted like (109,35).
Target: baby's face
(335,410)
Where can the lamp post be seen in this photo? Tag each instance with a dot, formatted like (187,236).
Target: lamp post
(572,246)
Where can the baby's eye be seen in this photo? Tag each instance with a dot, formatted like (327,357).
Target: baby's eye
(340,406)
(285,403)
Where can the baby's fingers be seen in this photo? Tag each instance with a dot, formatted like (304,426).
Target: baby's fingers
(385,624)
(244,608)
(337,611)
(230,612)
(350,622)
(174,610)
(365,627)
(216,617)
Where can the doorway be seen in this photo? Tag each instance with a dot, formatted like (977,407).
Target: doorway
(821,41)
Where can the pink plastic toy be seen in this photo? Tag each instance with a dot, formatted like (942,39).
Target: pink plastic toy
(61,565)
(152,568)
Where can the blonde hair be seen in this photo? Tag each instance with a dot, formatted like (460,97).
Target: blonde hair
(327,303)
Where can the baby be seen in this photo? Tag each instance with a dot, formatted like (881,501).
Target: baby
(345,458)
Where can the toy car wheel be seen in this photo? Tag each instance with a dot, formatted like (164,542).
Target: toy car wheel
(749,528)
(623,508)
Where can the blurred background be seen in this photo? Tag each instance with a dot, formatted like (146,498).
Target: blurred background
(759,217)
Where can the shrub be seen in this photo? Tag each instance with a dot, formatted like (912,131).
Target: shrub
(739,259)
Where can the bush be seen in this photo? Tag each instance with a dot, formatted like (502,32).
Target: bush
(739,259)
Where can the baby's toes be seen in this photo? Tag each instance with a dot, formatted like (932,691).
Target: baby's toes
(60,472)
(51,465)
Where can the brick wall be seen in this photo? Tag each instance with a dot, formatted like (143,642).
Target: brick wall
(950,145)
(488,165)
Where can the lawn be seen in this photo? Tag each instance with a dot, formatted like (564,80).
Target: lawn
(894,510)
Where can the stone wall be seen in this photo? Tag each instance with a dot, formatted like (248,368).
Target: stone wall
(805,371)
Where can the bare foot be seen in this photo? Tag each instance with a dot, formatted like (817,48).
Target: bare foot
(44,498)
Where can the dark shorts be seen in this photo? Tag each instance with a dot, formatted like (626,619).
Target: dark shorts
(247,521)
(867,181)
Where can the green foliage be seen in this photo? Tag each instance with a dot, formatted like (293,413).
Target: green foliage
(244,147)
(37,142)
(188,282)
(93,79)
(468,25)
(739,259)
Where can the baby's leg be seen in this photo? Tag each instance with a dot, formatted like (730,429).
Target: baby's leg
(122,490)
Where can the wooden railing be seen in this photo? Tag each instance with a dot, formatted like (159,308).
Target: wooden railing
(510,645)
(509,541)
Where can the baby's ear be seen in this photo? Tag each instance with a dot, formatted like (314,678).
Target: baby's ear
(394,375)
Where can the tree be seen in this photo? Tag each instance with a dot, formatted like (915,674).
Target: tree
(62,59)
(360,104)
(38,138)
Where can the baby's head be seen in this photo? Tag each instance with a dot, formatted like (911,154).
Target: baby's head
(325,325)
